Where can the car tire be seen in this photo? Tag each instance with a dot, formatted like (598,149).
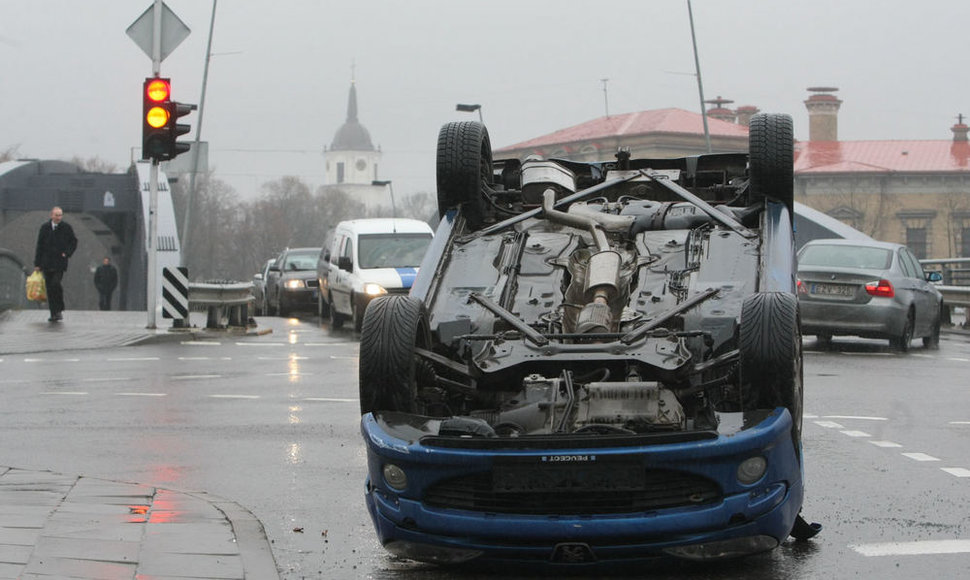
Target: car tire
(770,346)
(771,148)
(464,167)
(270,309)
(905,338)
(356,316)
(393,327)
(323,308)
(336,318)
(932,342)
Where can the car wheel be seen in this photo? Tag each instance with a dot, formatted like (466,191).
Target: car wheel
(393,327)
(932,341)
(323,308)
(771,145)
(270,308)
(905,339)
(464,166)
(336,318)
(770,347)
(356,315)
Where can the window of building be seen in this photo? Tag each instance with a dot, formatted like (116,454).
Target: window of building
(916,240)
(340,172)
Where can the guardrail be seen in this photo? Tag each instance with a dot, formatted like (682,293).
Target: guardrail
(227,304)
(955,287)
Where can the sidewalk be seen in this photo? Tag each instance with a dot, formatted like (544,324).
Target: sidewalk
(68,526)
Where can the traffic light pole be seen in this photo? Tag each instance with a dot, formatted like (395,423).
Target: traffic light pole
(152,242)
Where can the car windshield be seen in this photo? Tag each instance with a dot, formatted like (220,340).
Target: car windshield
(301,261)
(846,257)
(392,250)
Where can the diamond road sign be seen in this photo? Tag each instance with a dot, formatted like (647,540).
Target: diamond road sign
(174,31)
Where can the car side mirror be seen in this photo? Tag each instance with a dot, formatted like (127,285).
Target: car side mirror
(258,276)
(344,263)
(326,256)
(933,276)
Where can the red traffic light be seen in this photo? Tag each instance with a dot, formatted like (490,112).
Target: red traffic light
(158,90)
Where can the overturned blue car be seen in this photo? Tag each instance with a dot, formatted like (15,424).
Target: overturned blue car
(599,363)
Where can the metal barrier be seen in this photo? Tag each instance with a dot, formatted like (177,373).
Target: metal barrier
(955,287)
(227,304)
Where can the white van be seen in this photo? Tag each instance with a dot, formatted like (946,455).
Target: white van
(367,258)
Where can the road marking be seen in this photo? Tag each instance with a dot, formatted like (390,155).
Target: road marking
(959,422)
(856,433)
(920,457)
(142,394)
(885,444)
(330,400)
(134,358)
(914,548)
(829,424)
(190,377)
(234,396)
(64,393)
(956,359)
(334,357)
(957,471)
(856,417)
(33,360)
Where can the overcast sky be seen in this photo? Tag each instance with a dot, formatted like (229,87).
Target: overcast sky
(70,78)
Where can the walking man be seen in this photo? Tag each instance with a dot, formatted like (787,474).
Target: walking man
(56,243)
(105,280)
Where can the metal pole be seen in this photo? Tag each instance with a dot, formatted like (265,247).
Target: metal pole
(187,220)
(390,187)
(700,83)
(153,179)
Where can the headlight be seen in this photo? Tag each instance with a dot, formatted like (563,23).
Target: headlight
(752,469)
(372,289)
(295,284)
(395,477)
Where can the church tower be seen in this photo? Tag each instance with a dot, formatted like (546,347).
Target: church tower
(352,161)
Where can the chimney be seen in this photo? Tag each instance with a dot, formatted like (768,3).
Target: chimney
(719,111)
(823,114)
(960,130)
(745,112)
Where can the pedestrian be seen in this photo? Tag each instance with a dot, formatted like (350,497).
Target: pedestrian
(105,280)
(56,243)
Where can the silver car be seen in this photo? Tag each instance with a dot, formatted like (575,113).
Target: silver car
(867,288)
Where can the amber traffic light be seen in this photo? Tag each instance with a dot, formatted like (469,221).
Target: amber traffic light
(160,114)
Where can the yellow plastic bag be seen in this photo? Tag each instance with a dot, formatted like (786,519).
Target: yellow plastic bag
(36,288)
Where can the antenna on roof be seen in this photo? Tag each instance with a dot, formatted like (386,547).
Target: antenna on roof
(700,84)
(606,99)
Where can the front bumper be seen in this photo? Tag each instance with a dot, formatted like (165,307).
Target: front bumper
(743,519)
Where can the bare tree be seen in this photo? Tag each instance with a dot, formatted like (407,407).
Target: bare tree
(94,165)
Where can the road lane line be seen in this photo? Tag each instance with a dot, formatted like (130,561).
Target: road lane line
(856,433)
(920,457)
(957,359)
(234,396)
(829,424)
(885,444)
(959,422)
(857,417)
(33,360)
(331,400)
(920,548)
(957,471)
(344,357)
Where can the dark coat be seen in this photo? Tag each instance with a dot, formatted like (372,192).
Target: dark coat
(106,278)
(55,246)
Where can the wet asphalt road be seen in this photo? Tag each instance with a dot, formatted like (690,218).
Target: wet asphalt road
(271,422)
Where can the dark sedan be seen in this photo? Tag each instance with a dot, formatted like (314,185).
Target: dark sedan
(869,289)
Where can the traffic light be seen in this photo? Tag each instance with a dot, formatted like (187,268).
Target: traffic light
(160,126)
(155,118)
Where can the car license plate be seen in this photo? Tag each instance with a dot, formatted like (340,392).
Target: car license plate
(568,477)
(833,290)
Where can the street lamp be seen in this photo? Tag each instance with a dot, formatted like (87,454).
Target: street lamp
(390,188)
(471,109)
